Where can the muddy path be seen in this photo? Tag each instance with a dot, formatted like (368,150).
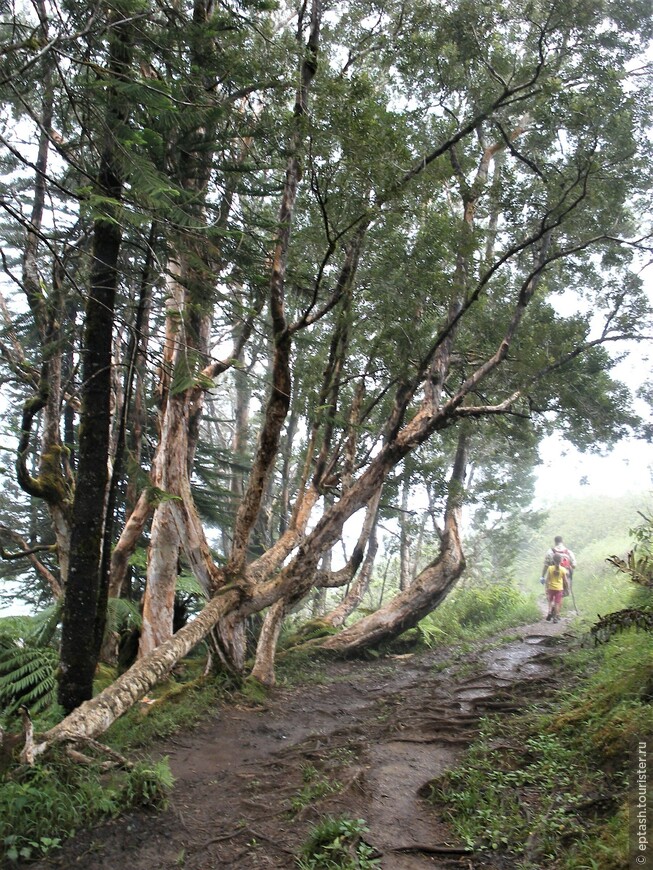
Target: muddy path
(252,780)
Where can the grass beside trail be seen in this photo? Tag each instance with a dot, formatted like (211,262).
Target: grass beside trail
(474,612)
(552,787)
(50,802)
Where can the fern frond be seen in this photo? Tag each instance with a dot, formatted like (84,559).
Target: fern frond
(15,627)
(187,584)
(44,625)
(123,615)
(27,677)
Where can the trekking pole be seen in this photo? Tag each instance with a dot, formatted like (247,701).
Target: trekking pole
(573,597)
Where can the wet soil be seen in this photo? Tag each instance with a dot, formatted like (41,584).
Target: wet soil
(251,781)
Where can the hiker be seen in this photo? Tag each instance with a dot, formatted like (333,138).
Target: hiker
(556,582)
(568,560)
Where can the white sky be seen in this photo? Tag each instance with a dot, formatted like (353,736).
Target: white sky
(629,468)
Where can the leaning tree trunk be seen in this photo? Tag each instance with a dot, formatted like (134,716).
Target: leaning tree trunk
(93,717)
(430,588)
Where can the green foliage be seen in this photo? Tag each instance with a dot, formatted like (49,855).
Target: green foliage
(613,706)
(28,662)
(485,793)
(43,805)
(551,786)
(48,803)
(38,630)
(123,615)
(254,690)
(27,678)
(188,585)
(473,611)
(337,844)
(148,784)
(310,630)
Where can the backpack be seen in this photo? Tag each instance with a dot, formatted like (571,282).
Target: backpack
(565,562)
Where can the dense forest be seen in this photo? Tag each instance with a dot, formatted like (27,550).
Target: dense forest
(279,277)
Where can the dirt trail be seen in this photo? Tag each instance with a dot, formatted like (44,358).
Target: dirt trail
(251,781)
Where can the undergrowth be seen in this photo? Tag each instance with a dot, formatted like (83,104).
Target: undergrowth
(45,804)
(551,787)
(473,612)
(337,844)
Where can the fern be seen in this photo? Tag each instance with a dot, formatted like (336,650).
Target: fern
(34,631)
(44,625)
(13,628)
(123,615)
(27,678)
(187,584)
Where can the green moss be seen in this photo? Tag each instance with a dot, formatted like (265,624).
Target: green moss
(51,478)
(254,690)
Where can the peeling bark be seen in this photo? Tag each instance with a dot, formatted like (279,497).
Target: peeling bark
(162,571)
(266,648)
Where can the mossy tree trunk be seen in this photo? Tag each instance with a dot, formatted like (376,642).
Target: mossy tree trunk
(86,590)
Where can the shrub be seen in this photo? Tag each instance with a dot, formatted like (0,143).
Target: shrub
(337,844)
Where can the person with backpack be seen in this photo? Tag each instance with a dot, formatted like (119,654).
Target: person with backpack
(556,584)
(567,559)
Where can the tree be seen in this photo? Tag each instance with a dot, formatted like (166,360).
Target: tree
(390,272)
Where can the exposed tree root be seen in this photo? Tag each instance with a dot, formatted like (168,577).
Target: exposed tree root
(435,850)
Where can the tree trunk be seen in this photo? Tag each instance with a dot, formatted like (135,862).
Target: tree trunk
(169,470)
(266,648)
(93,717)
(162,572)
(359,587)
(83,620)
(430,587)
(404,538)
(134,400)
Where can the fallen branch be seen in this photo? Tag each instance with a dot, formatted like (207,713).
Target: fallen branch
(31,750)
(27,755)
